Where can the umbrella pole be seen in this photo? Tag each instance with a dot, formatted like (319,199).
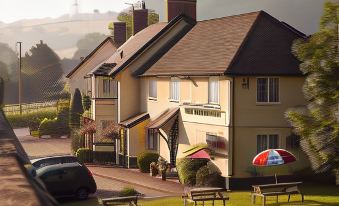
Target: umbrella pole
(276,180)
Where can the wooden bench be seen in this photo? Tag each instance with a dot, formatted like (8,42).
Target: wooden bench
(276,190)
(130,200)
(205,194)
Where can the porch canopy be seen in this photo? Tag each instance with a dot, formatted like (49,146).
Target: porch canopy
(135,120)
(164,118)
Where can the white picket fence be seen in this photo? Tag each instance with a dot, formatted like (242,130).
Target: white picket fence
(31,107)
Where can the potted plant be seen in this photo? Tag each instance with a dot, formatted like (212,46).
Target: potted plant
(162,164)
(154,169)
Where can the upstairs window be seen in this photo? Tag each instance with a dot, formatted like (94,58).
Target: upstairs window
(265,142)
(106,87)
(152,89)
(213,90)
(174,89)
(267,90)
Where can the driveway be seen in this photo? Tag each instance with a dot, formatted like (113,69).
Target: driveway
(109,180)
(38,147)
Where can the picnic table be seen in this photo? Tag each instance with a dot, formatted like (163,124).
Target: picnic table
(276,190)
(205,194)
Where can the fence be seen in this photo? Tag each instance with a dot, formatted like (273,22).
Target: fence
(27,108)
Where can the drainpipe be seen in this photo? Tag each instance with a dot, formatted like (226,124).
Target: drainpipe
(127,139)
(231,141)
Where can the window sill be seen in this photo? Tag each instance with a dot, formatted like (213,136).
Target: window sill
(152,98)
(267,103)
(173,100)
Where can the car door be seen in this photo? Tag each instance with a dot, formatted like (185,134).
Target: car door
(69,177)
(53,181)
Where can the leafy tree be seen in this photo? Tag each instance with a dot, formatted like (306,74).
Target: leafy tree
(153,18)
(317,123)
(3,71)
(87,44)
(76,109)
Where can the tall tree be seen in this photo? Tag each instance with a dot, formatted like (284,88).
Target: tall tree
(76,109)
(153,18)
(86,44)
(318,122)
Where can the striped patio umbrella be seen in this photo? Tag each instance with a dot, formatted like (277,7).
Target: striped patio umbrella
(273,157)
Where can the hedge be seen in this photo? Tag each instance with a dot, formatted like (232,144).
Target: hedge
(209,176)
(53,127)
(84,155)
(104,157)
(128,191)
(145,159)
(187,170)
(31,120)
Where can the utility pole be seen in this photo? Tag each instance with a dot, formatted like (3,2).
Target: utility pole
(20,83)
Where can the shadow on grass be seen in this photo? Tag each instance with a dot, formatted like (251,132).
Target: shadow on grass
(320,190)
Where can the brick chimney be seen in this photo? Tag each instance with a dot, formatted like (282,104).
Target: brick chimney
(119,32)
(140,18)
(176,7)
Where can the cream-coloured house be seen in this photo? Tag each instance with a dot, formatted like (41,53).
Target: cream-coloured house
(226,82)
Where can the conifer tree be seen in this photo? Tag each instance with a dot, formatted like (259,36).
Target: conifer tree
(76,109)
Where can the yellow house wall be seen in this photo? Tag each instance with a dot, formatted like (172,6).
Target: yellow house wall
(77,79)
(253,118)
(137,139)
(191,130)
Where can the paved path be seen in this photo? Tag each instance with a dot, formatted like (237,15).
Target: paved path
(136,178)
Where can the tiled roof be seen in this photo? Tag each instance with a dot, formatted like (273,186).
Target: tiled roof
(163,118)
(212,46)
(91,54)
(132,45)
(104,69)
(131,122)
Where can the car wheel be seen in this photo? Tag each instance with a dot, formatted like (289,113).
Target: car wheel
(82,193)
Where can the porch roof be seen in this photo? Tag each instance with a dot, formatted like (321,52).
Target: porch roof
(135,120)
(163,118)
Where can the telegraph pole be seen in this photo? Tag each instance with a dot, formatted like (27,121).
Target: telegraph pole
(20,86)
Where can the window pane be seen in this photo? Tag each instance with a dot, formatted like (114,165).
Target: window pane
(261,143)
(273,141)
(274,90)
(174,89)
(262,89)
(153,88)
(213,90)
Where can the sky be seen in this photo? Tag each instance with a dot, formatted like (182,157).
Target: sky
(14,10)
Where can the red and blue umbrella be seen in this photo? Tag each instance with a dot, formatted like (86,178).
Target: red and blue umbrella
(273,157)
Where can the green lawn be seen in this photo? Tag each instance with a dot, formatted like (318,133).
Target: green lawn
(314,196)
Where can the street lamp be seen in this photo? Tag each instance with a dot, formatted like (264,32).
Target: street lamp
(20,86)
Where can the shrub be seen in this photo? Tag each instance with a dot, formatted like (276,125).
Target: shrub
(31,120)
(103,157)
(76,109)
(76,141)
(145,159)
(86,102)
(84,155)
(128,191)
(53,127)
(209,176)
(187,170)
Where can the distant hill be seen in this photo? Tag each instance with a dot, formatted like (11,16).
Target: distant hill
(61,34)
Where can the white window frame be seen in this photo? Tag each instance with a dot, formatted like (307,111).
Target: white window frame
(152,82)
(268,90)
(154,145)
(174,80)
(211,79)
(267,141)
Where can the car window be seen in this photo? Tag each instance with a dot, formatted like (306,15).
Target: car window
(52,175)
